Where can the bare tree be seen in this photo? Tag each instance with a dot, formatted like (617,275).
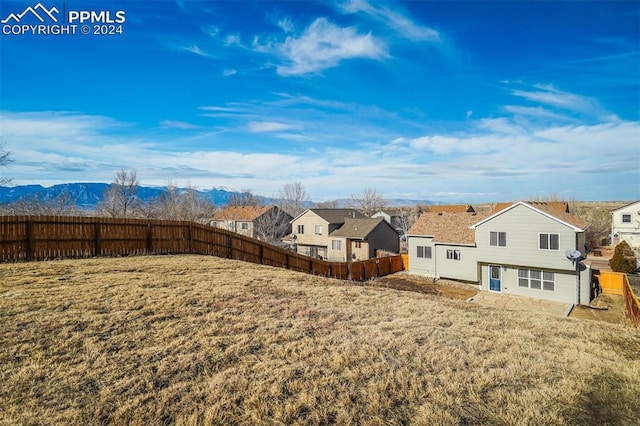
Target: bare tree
(329,204)
(272,225)
(293,196)
(119,199)
(62,204)
(181,204)
(5,159)
(244,198)
(368,201)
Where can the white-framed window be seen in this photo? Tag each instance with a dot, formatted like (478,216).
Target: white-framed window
(536,279)
(214,224)
(549,241)
(336,244)
(358,244)
(626,218)
(497,239)
(244,225)
(423,251)
(300,229)
(453,254)
(318,229)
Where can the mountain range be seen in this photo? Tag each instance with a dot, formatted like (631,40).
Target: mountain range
(88,195)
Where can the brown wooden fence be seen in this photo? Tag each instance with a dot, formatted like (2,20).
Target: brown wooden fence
(25,238)
(632,304)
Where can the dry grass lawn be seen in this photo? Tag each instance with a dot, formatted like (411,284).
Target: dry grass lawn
(191,340)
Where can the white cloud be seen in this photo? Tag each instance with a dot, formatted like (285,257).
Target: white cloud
(196,51)
(286,25)
(534,112)
(398,22)
(501,157)
(229,72)
(173,124)
(553,97)
(322,45)
(233,40)
(268,126)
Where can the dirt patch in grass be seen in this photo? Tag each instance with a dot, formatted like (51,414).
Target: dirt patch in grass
(608,308)
(195,340)
(444,288)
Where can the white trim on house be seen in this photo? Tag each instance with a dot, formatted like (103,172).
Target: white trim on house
(549,234)
(522,203)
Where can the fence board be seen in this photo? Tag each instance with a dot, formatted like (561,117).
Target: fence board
(52,237)
(632,304)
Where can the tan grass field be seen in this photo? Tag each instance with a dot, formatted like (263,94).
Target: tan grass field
(191,340)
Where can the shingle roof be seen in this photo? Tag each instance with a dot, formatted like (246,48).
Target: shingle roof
(248,213)
(550,210)
(562,215)
(358,228)
(448,227)
(557,205)
(451,208)
(338,215)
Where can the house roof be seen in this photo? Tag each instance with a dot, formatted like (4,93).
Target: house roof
(334,215)
(451,208)
(392,211)
(358,228)
(625,206)
(562,206)
(578,224)
(247,213)
(447,227)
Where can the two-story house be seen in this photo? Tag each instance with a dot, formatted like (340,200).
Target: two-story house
(519,250)
(625,225)
(312,227)
(360,239)
(267,223)
(342,234)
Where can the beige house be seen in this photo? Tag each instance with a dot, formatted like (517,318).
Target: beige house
(317,234)
(267,223)
(523,250)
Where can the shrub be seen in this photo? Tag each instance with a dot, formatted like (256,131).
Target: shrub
(624,259)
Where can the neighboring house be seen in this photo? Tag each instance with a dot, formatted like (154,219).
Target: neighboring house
(360,239)
(314,234)
(625,225)
(396,217)
(452,208)
(520,250)
(268,223)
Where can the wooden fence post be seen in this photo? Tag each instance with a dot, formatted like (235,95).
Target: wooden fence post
(149,239)
(229,247)
(29,246)
(261,254)
(190,239)
(96,241)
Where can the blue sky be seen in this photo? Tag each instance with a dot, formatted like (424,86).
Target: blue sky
(450,101)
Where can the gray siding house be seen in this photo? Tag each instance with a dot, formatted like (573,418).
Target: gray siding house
(520,250)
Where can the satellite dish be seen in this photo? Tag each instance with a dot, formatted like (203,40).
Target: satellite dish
(573,255)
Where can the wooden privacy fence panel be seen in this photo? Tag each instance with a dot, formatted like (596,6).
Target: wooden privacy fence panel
(632,304)
(611,282)
(24,238)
